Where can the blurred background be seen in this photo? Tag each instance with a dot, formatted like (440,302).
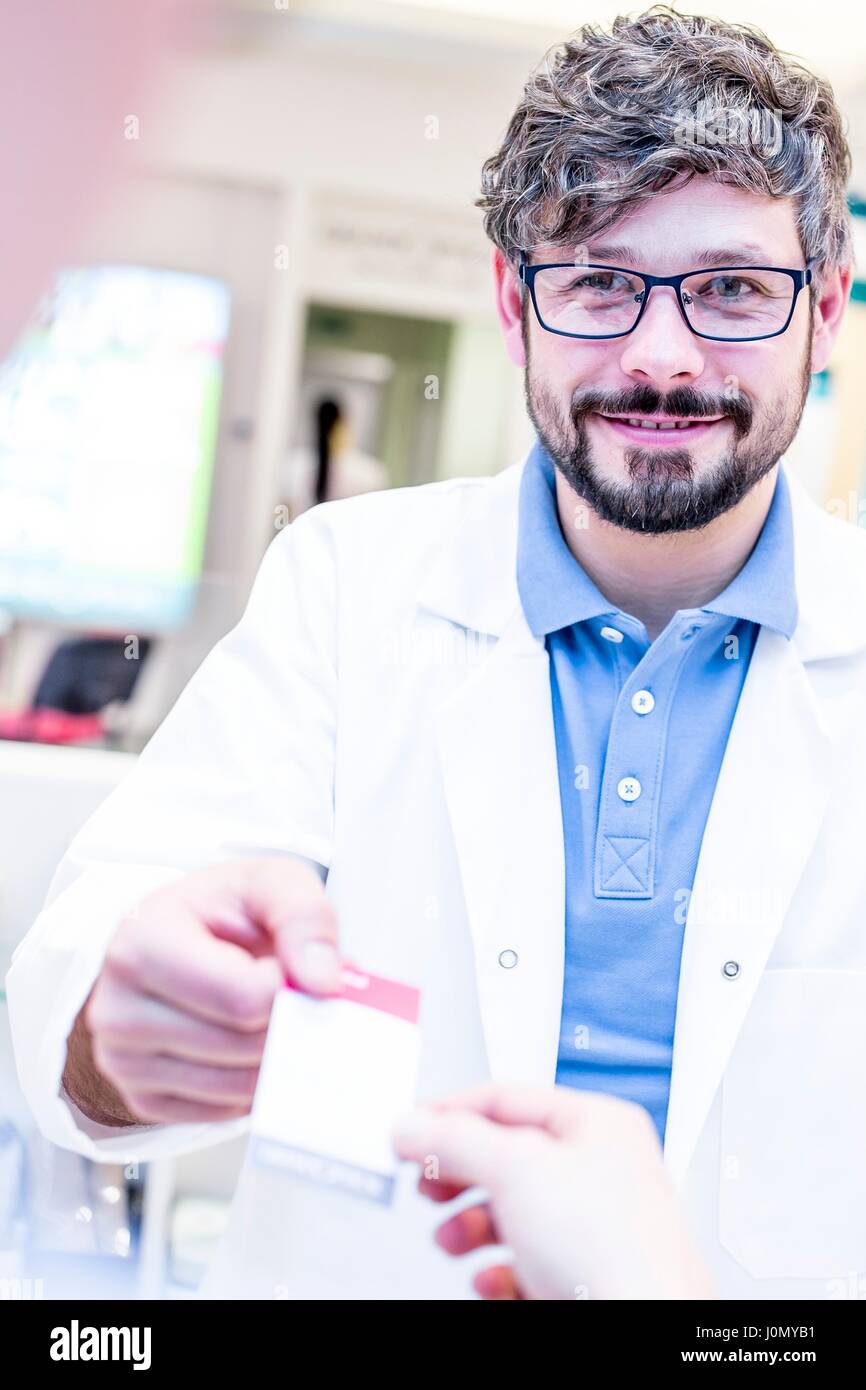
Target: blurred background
(279,292)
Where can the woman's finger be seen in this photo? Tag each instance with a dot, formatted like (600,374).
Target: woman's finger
(497,1283)
(438,1190)
(468,1149)
(467,1230)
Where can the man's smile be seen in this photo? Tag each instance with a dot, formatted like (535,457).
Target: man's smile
(658,430)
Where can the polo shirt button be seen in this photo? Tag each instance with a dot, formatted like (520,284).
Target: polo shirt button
(689,632)
(731,969)
(643,702)
(508,959)
(628,788)
(611,634)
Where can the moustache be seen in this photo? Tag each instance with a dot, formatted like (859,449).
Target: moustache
(682,401)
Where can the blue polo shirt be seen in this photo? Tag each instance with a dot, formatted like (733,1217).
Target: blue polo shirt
(641,729)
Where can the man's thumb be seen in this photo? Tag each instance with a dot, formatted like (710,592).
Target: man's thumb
(288,898)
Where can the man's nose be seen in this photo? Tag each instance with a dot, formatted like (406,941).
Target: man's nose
(662,350)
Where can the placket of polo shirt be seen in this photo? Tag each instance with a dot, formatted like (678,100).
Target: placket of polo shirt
(625,839)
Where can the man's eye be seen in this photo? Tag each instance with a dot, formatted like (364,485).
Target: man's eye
(599,280)
(728,287)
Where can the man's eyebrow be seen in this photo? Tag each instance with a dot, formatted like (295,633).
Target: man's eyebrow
(628,257)
(745,254)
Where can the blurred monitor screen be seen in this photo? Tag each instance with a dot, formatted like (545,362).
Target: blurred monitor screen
(109,408)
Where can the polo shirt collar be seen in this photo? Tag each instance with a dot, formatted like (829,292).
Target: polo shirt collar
(556,592)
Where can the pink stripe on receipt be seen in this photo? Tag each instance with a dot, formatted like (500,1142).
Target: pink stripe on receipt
(377,992)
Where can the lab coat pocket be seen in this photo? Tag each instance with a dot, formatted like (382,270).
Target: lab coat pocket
(792,1200)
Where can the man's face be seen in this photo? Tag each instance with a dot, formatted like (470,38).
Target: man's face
(743,401)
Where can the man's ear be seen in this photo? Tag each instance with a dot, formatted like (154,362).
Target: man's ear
(831,298)
(509,304)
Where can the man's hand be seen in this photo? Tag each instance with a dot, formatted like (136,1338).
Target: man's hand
(576,1187)
(174,1028)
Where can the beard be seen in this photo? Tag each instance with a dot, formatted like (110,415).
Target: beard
(662,494)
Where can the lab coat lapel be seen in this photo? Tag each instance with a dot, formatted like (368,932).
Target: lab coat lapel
(769,802)
(498,756)
(770,799)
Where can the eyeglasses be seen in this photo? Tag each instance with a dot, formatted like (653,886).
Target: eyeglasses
(729,304)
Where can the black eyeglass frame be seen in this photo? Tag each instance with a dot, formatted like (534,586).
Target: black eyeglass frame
(526,273)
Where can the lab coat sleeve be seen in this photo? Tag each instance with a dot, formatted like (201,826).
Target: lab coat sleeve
(243,765)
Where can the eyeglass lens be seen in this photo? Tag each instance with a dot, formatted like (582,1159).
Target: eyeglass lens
(742,303)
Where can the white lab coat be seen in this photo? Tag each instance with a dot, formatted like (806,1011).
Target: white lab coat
(383,709)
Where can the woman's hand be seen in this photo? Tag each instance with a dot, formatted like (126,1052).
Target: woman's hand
(574,1184)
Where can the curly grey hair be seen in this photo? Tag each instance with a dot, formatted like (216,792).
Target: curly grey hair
(611,118)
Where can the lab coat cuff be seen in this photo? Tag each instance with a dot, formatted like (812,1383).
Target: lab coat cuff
(52,972)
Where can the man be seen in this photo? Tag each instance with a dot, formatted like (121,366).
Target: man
(576,749)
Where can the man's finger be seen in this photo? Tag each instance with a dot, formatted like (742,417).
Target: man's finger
(202,975)
(132,1022)
(219,1086)
(152,1109)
